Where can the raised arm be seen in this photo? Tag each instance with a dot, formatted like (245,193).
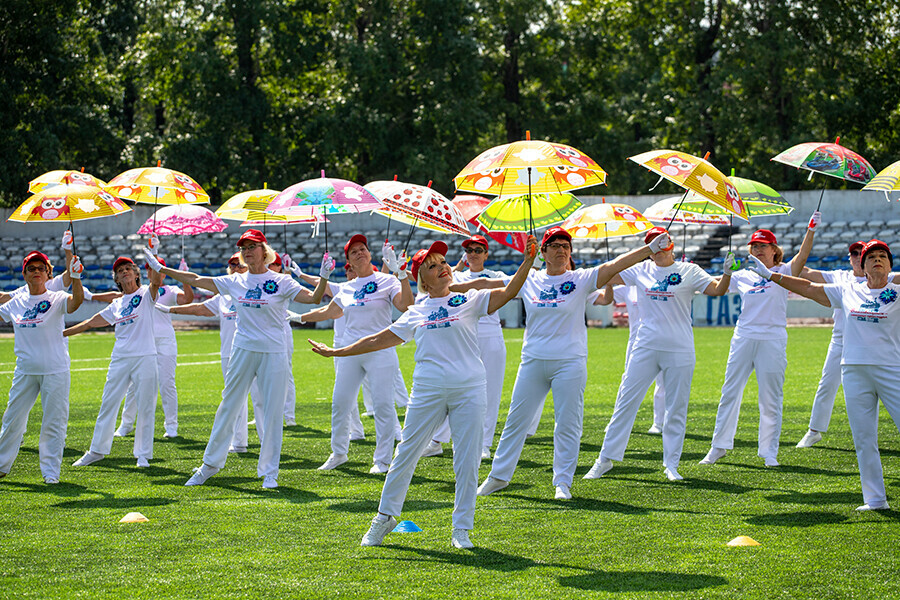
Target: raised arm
(95,321)
(501,296)
(186,296)
(798,285)
(610,269)
(106,297)
(198,309)
(378,341)
(77,297)
(798,263)
(719,286)
(185,277)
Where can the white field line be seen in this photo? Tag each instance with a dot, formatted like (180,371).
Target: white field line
(181,364)
(106,358)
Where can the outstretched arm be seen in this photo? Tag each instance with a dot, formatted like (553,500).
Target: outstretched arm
(798,285)
(185,277)
(323,313)
(610,269)
(501,296)
(606,297)
(378,341)
(197,309)
(95,321)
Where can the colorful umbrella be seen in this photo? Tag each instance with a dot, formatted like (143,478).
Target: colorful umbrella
(760,200)
(325,195)
(527,212)
(887,180)
(470,206)
(183,219)
(668,211)
(157,185)
(603,221)
(695,174)
(54,178)
(419,206)
(68,203)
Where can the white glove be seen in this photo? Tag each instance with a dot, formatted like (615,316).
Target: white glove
(75,268)
(292,316)
(151,260)
(814,221)
(760,269)
(390,257)
(67,240)
(327,267)
(660,242)
(87,294)
(404,261)
(153,244)
(731,263)
(161,307)
(286,261)
(296,270)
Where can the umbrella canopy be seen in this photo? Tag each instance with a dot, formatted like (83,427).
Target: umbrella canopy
(831,159)
(68,203)
(183,219)
(418,205)
(525,213)
(665,211)
(324,195)
(887,180)
(53,178)
(240,206)
(601,221)
(157,185)
(760,200)
(471,206)
(695,174)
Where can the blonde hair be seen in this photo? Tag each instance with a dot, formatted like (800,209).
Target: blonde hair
(437,257)
(270,255)
(779,254)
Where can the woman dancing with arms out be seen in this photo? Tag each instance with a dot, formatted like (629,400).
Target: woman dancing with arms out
(449,379)
(259,349)
(554,356)
(869,357)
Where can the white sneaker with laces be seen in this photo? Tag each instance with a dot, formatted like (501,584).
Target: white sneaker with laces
(655,429)
(143,462)
(269,482)
(563,493)
(866,507)
(380,527)
(712,456)
(460,539)
(123,430)
(201,474)
(810,439)
(490,486)
(89,458)
(600,468)
(379,468)
(334,461)
(672,475)
(433,449)
(485,453)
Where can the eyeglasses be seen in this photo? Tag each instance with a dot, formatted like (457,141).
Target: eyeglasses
(250,247)
(234,263)
(473,249)
(36,269)
(854,253)
(559,246)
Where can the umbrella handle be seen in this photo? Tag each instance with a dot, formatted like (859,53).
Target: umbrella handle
(677,208)
(822,195)
(409,237)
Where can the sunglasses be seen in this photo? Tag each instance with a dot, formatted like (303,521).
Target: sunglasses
(36,269)
(854,253)
(473,249)
(559,246)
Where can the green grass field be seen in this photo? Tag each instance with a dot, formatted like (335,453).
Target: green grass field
(629,534)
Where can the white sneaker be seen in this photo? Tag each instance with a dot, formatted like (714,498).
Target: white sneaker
(236,449)
(201,474)
(490,486)
(47,480)
(672,475)
(563,493)
(123,430)
(810,439)
(460,539)
(772,462)
(334,460)
(143,462)
(655,429)
(89,458)
(433,449)
(171,434)
(269,482)
(485,453)
(369,413)
(712,456)
(379,468)
(866,507)
(600,468)
(253,422)
(359,437)
(290,422)
(380,527)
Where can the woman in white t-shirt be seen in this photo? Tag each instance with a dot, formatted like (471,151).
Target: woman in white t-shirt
(133,360)
(42,364)
(663,344)
(259,350)
(554,357)
(759,344)
(870,354)
(366,303)
(449,380)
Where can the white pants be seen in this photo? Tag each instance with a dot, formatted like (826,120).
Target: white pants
(401,396)
(166,360)
(353,419)
(290,399)
(769,359)
(379,367)
(643,366)
(270,369)
(54,391)
(823,404)
(567,379)
(139,371)
(864,386)
(428,406)
(241,437)
(659,391)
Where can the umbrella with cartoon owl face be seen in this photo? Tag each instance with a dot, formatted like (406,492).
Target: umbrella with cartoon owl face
(604,221)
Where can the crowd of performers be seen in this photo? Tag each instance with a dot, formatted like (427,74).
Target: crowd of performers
(460,356)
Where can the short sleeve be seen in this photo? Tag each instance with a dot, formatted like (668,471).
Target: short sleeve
(403,327)
(4,313)
(224,283)
(109,314)
(481,299)
(212,305)
(629,275)
(394,287)
(701,278)
(835,295)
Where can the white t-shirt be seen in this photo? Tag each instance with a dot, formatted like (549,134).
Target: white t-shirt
(627,295)
(763,305)
(839,276)
(38,323)
(554,313)
(162,322)
(367,303)
(261,302)
(489,325)
(446,334)
(222,306)
(132,316)
(871,322)
(664,295)
(53,285)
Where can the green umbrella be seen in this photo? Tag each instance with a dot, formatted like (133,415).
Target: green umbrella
(516,213)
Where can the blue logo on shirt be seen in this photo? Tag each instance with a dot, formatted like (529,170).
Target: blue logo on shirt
(663,285)
(547,298)
(369,288)
(129,308)
(567,288)
(457,300)
(270,287)
(38,309)
(887,296)
(759,287)
(435,318)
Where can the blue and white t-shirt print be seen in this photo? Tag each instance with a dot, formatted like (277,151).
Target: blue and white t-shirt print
(261,301)
(367,303)
(871,322)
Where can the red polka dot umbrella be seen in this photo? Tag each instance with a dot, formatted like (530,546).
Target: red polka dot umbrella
(419,206)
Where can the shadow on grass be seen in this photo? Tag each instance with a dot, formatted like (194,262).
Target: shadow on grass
(110,501)
(641,581)
(304,432)
(61,489)
(798,519)
(817,498)
(370,506)
(801,470)
(251,486)
(482,558)
(588,504)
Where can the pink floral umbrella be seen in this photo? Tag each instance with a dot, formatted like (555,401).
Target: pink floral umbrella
(183,219)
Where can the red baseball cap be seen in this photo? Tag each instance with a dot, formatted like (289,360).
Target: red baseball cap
(876,245)
(252,235)
(858,246)
(653,232)
(277,260)
(235,258)
(36,256)
(147,265)
(420,256)
(121,261)
(555,232)
(762,236)
(353,239)
(475,239)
